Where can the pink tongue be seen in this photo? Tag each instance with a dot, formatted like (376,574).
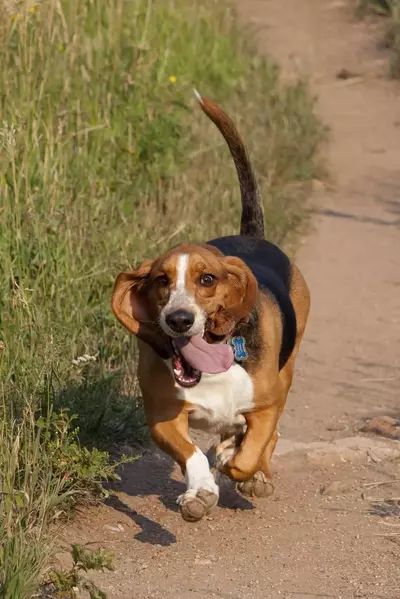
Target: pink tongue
(204,356)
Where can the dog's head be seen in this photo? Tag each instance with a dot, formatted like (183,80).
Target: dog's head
(192,290)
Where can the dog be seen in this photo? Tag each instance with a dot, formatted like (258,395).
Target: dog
(219,325)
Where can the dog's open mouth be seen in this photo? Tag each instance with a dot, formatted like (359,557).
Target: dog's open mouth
(191,356)
(185,375)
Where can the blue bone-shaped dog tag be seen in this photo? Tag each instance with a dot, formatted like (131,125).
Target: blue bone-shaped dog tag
(239,348)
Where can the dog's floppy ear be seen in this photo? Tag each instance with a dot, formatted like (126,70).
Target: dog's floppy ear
(130,305)
(244,288)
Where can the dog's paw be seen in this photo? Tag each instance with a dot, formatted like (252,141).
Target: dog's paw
(194,505)
(225,452)
(257,486)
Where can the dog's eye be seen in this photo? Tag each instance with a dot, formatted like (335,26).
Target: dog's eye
(207,280)
(162,281)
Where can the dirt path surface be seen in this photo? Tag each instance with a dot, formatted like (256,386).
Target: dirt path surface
(302,544)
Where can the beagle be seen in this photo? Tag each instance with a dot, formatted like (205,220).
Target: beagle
(219,325)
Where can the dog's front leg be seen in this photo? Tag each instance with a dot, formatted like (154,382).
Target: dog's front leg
(172,436)
(242,464)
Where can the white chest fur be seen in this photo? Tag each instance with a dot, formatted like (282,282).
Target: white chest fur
(220,399)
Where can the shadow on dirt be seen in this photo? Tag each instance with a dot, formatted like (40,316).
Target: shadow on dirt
(152,532)
(151,475)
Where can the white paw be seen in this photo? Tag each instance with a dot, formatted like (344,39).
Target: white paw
(202,491)
(208,485)
(194,505)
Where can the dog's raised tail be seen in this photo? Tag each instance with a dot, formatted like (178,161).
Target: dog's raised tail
(252,222)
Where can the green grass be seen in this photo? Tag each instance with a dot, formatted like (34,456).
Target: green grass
(389,8)
(105,159)
(43,472)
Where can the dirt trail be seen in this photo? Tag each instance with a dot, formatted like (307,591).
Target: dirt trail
(302,544)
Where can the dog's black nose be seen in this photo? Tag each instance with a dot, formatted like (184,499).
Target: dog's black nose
(180,321)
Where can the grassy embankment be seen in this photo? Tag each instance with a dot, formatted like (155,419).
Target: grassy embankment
(105,159)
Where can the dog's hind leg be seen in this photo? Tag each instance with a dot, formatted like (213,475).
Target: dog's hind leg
(260,485)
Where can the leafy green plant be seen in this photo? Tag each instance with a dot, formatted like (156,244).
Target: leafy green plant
(43,471)
(67,583)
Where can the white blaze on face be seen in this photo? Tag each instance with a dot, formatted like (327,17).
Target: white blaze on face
(182,267)
(180,299)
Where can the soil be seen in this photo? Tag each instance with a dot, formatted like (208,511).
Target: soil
(332,529)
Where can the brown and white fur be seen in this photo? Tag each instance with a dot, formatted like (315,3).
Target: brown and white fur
(235,285)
